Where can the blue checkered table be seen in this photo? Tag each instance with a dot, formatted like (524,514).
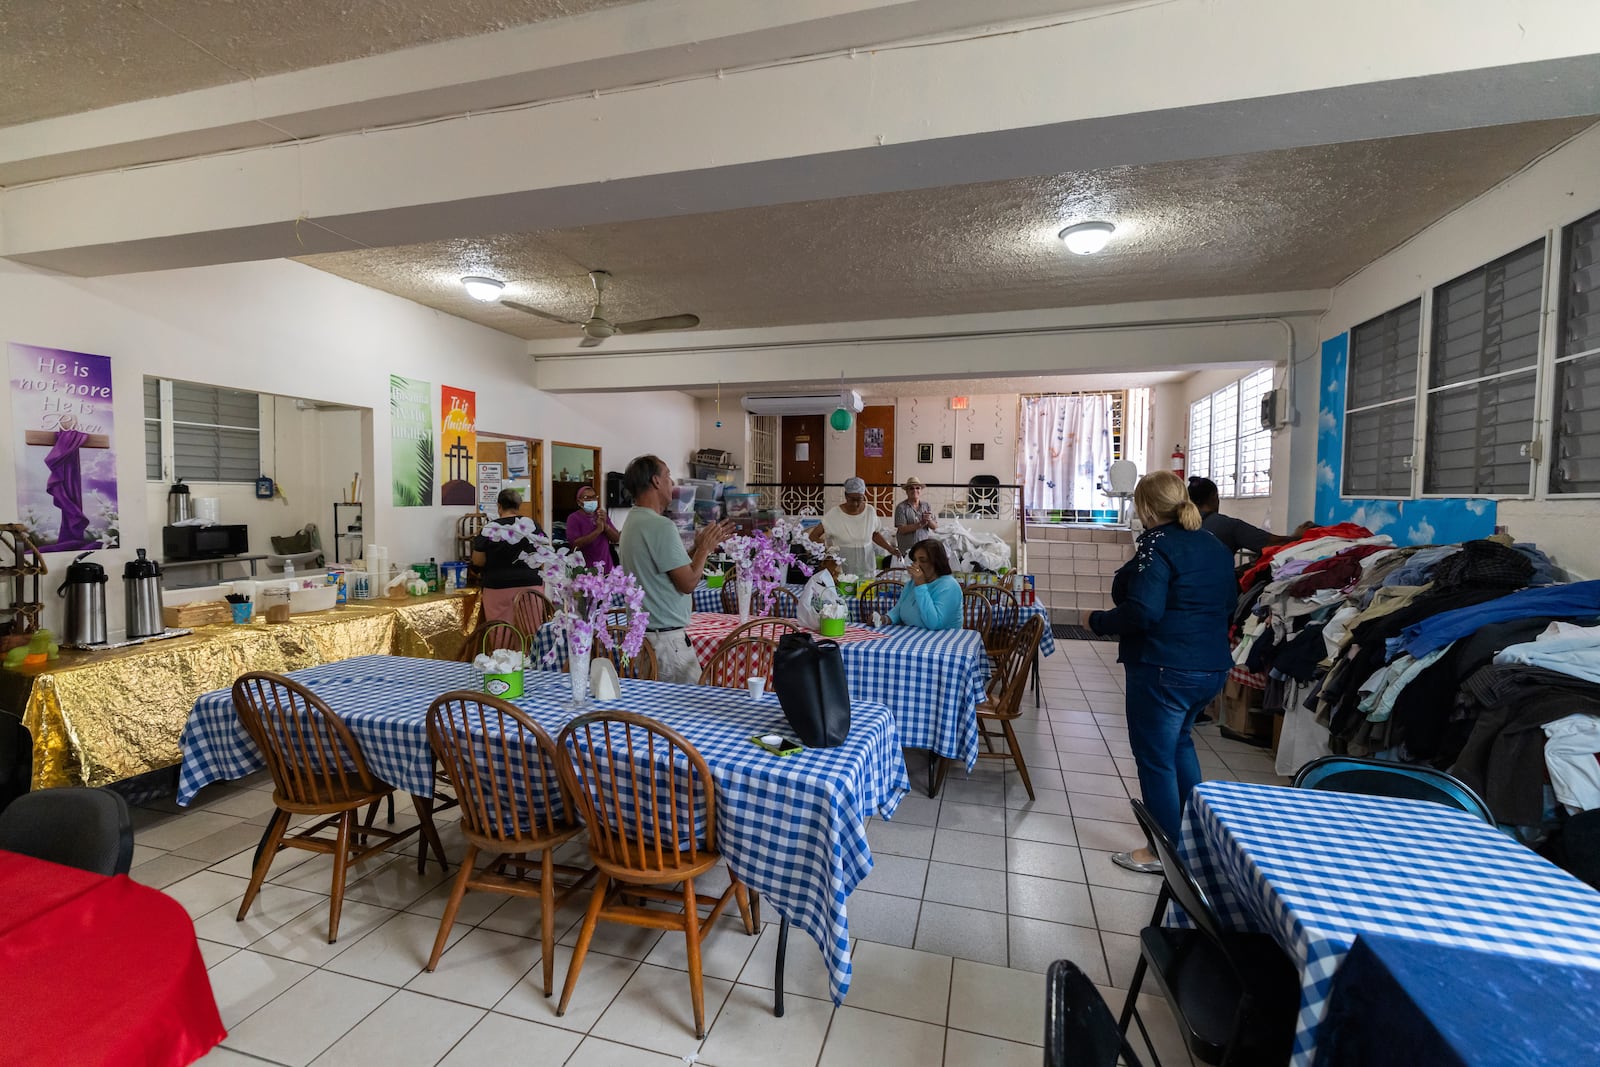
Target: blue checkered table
(1316,869)
(792,827)
(710,600)
(932,680)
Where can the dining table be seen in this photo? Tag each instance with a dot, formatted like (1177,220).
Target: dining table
(792,827)
(931,680)
(98,970)
(1316,870)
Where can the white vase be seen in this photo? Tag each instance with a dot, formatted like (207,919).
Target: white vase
(744,589)
(578,672)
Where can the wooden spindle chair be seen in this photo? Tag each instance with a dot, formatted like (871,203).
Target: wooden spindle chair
(498,635)
(1005,619)
(1002,703)
(878,596)
(736,661)
(530,610)
(641,666)
(650,805)
(730,597)
(768,629)
(505,770)
(977,614)
(317,768)
(783,603)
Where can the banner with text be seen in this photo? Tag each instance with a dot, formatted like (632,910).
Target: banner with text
(66,467)
(411,441)
(458,440)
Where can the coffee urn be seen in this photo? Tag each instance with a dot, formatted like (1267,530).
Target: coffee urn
(180,505)
(141,591)
(85,590)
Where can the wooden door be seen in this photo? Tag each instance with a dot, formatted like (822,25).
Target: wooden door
(875,455)
(802,440)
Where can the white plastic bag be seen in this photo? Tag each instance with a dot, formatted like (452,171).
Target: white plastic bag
(819,592)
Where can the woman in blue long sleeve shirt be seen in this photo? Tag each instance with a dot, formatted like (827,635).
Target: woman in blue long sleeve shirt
(1173,601)
(933,599)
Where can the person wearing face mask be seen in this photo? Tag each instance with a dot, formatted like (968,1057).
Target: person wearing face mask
(589,530)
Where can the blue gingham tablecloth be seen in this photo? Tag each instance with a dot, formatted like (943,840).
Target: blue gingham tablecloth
(1316,869)
(792,827)
(710,600)
(931,680)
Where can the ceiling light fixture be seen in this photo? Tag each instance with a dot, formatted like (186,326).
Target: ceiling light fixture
(481,288)
(1087,238)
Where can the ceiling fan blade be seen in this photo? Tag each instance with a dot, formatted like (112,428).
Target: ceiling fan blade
(541,314)
(589,342)
(665,322)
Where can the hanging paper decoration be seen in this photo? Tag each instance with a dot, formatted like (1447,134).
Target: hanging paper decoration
(840,419)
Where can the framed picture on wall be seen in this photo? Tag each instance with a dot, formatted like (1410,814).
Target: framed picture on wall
(925,453)
(947,452)
(977,451)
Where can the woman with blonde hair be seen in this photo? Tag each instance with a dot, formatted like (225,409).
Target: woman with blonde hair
(1173,600)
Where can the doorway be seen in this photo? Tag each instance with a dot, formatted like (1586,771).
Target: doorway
(801,444)
(875,455)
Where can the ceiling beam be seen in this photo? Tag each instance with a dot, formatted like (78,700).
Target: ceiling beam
(1180,80)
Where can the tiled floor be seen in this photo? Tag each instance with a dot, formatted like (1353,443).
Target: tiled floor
(972,896)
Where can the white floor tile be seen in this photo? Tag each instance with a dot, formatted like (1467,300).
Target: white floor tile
(964,1048)
(205,890)
(877,917)
(246,980)
(654,1010)
(598,984)
(503,1039)
(866,1039)
(305,938)
(597,1053)
(805,971)
(962,932)
(900,981)
(970,850)
(967,887)
(479,969)
(298,1025)
(975,818)
(723,953)
(998,1002)
(273,907)
(1035,944)
(409,1030)
(1121,911)
(899,876)
(746,1031)
(1049,899)
(395,952)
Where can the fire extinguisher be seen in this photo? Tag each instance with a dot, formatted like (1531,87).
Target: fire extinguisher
(1178,460)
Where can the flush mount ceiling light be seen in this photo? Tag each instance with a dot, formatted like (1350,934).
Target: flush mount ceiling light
(1087,238)
(481,288)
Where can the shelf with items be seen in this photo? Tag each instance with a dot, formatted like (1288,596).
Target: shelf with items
(348,532)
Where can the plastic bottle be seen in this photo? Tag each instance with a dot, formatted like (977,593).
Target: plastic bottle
(288,568)
(433,574)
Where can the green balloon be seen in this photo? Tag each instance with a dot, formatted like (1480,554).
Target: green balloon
(840,419)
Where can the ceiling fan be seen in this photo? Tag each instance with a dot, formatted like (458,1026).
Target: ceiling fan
(597,327)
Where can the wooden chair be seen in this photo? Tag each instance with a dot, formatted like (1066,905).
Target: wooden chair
(1005,619)
(785,604)
(768,629)
(730,597)
(1003,701)
(530,610)
(976,613)
(895,574)
(877,597)
(498,635)
(514,806)
(641,666)
(737,660)
(650,805)
(317,768)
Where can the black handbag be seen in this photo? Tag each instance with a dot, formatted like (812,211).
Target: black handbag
(808,676)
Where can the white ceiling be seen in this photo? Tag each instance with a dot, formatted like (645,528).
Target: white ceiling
(1295,219)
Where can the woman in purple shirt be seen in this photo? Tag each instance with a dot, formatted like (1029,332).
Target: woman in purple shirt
(589,530)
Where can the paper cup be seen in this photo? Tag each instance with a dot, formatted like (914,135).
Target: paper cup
(757,685)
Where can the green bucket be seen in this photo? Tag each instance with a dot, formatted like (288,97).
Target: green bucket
(506,686)
(714,581)
(831,627)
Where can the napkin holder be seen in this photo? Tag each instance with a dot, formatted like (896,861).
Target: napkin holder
(603,684)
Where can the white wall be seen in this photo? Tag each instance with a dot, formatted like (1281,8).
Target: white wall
(1543,198)
(280,327)
(989,420)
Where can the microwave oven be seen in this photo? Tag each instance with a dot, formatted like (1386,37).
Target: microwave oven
(204,542)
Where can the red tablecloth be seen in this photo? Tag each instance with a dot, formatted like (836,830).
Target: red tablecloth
(97,970)
(707,629)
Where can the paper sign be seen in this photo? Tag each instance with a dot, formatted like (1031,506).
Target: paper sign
(517,458)
(489,472)
(488,491)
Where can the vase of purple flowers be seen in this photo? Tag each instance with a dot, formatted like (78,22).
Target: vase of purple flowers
(588,600)
(762,562)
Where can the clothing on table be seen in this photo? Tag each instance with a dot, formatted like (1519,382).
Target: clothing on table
(1162,705)
(935,605)
(1569,755)
(1575,651)
(582,523)
(1173,600)
(1344,530)
(1545,571)
(508,564)
(1334,572)
(1235,534)
(904,515)
(651,547)
(1418,570)
(1431,633)
(1484,563)
(675,658)
(851,537)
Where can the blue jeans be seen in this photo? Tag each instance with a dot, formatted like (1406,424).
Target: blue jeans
(1162,704)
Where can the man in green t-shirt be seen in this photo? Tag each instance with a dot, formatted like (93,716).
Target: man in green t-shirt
(652,551)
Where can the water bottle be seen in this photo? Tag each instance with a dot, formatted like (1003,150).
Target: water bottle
(288,568)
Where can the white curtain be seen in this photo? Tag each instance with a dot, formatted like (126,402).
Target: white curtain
(1066,450)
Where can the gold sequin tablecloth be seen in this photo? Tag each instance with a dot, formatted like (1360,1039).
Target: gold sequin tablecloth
(100,717)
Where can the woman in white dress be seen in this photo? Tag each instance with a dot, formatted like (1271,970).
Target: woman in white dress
(854,531)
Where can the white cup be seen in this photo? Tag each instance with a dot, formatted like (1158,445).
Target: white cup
(757,686)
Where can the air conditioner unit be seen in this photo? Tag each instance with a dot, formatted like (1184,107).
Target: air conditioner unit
(810,404)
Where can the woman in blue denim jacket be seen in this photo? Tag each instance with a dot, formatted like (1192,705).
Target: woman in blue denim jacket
(1173,601)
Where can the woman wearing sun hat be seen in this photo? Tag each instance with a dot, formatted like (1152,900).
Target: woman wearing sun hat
(913,519)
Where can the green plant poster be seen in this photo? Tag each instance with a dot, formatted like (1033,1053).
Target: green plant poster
(411,437)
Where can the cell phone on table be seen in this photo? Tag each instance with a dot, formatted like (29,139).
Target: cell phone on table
(777,744)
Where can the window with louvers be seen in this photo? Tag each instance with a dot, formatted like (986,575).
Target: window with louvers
(216,434)
(152,429)
(1381,403)
(1575,466)
(1482,368)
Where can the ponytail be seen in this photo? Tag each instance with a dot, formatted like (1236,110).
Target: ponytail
(1188,515)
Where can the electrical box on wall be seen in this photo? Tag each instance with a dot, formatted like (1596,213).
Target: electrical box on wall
(1274,409)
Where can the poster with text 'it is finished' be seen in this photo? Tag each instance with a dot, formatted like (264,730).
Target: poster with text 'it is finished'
(411,441)
(458,439)
(66,467)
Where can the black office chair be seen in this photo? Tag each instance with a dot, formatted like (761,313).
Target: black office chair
(1236,995)
(1079,1030)
(16,758)
(1384,778)
(85,828)
(983,496)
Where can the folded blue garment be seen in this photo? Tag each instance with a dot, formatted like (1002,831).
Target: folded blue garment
(1575,599)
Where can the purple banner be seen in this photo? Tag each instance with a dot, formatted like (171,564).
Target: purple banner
(66,467)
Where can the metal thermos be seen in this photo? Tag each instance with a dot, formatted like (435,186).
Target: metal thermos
(180,507)
(141,590)
(85,590)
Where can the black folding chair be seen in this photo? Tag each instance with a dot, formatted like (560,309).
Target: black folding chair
(1385,778)
(1079,1030)
(85,828)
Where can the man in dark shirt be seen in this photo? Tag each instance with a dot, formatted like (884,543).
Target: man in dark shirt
(1235,534)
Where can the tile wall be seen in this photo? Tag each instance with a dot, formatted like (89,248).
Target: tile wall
(1072,566)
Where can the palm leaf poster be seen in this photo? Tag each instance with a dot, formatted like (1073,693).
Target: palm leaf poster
(411,439)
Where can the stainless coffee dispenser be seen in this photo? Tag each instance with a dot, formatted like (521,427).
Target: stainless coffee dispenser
(141,590)
(85,590)
(180,505)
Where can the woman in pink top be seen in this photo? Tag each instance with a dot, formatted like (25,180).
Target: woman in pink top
(589,530)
